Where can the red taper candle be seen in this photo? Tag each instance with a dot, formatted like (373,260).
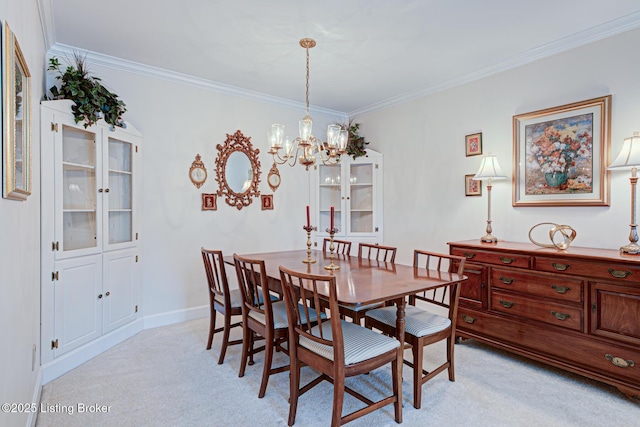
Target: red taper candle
(332,217)
(308,217)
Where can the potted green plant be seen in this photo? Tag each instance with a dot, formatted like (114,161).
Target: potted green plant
(92,100)
(356,143)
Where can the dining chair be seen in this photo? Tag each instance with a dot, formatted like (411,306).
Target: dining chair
(377,252)
(336,348)
(221,299)
(342,247)
(423,326)
(371,252)
(261,317)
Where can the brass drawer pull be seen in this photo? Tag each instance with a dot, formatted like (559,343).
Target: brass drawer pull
(561,289)
(469,255)
(619,361)
(560,267)
(506,280)
(560,316)
(506,304)
(468,319)
(619,274)
(506,260)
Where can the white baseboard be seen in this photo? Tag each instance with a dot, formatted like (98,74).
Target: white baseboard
(75,358)
(63,364)
(177,316)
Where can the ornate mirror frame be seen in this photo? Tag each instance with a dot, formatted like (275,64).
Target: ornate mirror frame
(241,143)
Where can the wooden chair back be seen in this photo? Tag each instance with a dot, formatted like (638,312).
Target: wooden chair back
(433,263)
(342,247)
(253,283)
(377,252)
(216,273)
(302,300)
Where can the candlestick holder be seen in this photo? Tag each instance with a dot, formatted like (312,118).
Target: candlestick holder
(331,265)
(309,229)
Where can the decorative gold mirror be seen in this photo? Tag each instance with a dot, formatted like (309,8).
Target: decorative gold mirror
(238,170)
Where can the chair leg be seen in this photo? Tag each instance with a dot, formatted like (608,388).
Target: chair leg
(450,348)
(212,327)
(268,357)
(417,350)
(225,336)
(338,400)
(294,389)
(396,377)
(247,343)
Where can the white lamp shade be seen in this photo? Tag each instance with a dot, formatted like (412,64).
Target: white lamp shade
(489,169)
(629,154)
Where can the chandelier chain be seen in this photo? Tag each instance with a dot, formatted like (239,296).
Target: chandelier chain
(307,92)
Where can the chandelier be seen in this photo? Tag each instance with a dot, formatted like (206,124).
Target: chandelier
(305,147)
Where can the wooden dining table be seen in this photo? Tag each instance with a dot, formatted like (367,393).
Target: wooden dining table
(359,281)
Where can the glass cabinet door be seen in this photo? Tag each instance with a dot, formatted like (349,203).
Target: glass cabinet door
(79,174)
(361,198)
(120,188)
(330,194)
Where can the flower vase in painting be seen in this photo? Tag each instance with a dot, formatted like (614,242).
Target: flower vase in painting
(559,156)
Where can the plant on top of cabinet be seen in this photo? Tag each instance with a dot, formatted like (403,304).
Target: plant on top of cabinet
(356,144)
(92,100)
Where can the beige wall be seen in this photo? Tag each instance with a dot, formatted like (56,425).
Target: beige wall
(423,145)
(20,242)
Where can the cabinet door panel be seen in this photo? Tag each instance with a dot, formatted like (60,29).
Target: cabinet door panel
(119,288)
(77,177)
(78,307)
(473,291)
(615,311)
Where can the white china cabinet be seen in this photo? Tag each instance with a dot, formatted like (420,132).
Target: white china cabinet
(354,188)
(90,237)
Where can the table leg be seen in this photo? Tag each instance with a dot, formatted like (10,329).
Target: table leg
(400,323)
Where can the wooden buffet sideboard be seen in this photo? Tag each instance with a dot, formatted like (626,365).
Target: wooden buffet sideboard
(576,309)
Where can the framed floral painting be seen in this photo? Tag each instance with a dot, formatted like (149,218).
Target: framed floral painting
(560,155)
(473,144)
(472,187)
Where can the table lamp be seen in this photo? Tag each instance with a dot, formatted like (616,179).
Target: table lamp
(629,158)
(489,170)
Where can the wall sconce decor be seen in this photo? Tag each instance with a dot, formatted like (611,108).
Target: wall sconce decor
(197,172)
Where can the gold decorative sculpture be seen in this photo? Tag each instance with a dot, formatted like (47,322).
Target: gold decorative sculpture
(567,232)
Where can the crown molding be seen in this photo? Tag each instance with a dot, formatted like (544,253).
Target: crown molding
(45,10)
(66,51)
(581,38)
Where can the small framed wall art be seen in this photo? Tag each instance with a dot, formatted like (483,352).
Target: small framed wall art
(267,201)
(472,187)
(473,144)
(209,202)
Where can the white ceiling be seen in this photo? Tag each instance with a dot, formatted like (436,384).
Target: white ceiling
(369,53)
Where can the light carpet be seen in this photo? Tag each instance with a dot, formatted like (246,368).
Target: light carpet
(165,377)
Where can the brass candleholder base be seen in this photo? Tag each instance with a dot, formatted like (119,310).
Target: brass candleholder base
(331,265)
(309,229)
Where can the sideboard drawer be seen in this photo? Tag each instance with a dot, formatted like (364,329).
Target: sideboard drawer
(539,310)
(589,268)
(512,260)
(561,288)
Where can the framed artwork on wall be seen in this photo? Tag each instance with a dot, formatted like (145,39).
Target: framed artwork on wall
(209,202)
(473,144)
(16,119)
(560,155)
(472,187)
(267,201)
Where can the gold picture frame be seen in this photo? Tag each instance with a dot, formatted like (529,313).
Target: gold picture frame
(561,154)
(16,119)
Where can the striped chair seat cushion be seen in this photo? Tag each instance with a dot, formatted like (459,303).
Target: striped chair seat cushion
(280,315)
(359,343)
(357,308)
(419,322)
(236,298)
